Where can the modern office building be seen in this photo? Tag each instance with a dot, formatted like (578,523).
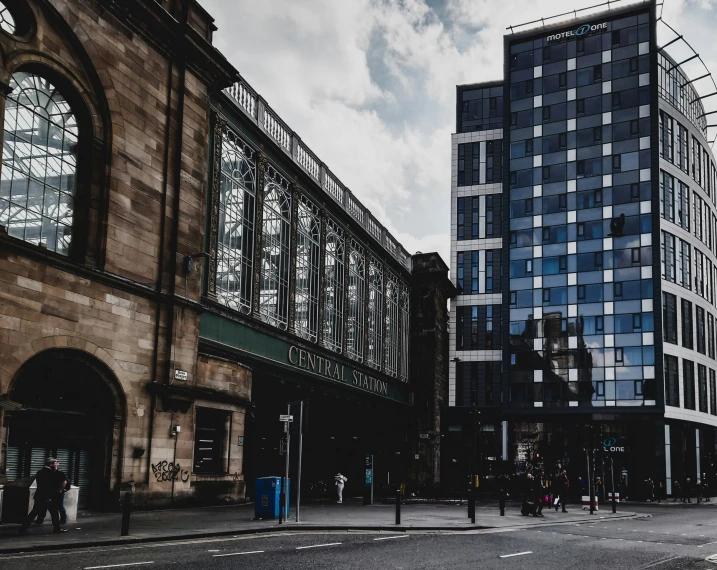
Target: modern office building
(588,263)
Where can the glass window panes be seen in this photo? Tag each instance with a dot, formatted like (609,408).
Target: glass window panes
(7,22)
(39,163)
(275,249)
(308,257)
(356,299)
(375,314)
(235,243)
(333,286)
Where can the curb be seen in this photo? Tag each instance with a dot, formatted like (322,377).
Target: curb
(272,529)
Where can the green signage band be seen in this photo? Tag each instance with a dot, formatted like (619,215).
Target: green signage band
(249,342)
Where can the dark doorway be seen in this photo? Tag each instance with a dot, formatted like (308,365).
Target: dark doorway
(69,412)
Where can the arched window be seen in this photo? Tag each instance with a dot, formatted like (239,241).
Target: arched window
(39,161)
(7,22)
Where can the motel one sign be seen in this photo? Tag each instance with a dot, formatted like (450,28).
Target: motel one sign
(581,32)
(335,371)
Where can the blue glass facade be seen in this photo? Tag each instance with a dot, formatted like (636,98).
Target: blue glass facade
(578,192)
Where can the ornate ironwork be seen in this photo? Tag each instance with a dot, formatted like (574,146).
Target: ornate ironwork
(262,164)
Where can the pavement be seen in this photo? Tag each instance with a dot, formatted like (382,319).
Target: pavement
(96,530)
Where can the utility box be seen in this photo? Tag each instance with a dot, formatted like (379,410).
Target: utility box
(268,497)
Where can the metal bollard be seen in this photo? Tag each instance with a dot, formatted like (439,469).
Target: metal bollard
(473,508)
(614,504)
(501,502)
(126,507)
(398,506)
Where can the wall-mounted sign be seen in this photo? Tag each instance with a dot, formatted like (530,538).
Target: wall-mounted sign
(240,440)
(582,31)
(610,444)
(423,436)
(180,375)
(335,370)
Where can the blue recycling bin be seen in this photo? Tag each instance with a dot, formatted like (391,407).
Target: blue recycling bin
(268,497)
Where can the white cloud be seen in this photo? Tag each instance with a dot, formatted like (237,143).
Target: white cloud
(369,85)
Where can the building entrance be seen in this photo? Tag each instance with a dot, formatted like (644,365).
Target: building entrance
(70,410)
(342,429)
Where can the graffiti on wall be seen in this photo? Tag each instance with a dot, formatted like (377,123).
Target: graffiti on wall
(166,471)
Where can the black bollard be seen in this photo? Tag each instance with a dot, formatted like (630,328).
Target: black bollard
(473,508)
(501,502)
(398,506)
(614,504)
(126,507)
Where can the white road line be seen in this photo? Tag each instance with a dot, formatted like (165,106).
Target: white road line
(318,545)
(516,554)
(391,537)
(118,565)
(238,553)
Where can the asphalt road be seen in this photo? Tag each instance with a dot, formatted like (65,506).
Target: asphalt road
(671,537)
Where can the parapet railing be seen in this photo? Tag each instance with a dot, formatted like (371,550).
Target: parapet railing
(259,111)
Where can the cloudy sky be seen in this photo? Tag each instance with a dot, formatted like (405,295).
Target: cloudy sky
(369,85)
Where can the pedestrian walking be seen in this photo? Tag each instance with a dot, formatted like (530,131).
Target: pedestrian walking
(676,490)
(561,490)
(47,496)
(649,490)
(339,481)
(539,494)
(60,478)
(687,491)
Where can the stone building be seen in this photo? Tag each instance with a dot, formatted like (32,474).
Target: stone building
(177,266)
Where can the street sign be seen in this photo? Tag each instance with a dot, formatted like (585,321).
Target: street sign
(180,375)
(423,436)
(286,418)
(240,440)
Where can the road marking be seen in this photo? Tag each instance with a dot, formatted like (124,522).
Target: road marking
(117,565)
(516,554)
(391,537)
(318,545)
(213,550)
(238,553)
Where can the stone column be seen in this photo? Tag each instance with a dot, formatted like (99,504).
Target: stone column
(219,125)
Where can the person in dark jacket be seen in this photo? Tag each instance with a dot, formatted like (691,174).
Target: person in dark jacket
(687,491)
(47,496)
(539,493)
(676,490)
(60,478)
(562,484)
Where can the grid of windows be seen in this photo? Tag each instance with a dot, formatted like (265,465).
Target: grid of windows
(579,235)
(356,296)
(478,271)
(275,250)
(478,383)
(479,217)
(334,286)
(375,314)
(713,393)
(687,328)
(405,335)
(235,243)
(308,258)
(392,325)
(479,109)
(478,327)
